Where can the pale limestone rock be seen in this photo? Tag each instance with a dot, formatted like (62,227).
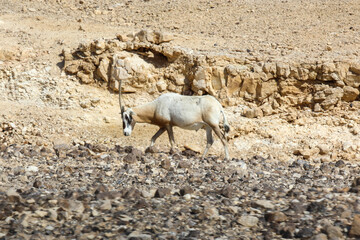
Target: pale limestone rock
(85,78)
(165,37)
(328,67)
(303,74)
(161,85)
(248,87)
(350,94)
(199,85)
(233,84)
(217,78)
(282,70)
(103,69)
(267,109)
(266,89)
(324,149)
(200,74)
(355,68)
(100,47)
(72,67)
(123,37)
(171,53)
(352,80)
(253,113)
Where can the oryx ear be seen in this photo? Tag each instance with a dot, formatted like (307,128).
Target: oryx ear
(132,113)
(122,109)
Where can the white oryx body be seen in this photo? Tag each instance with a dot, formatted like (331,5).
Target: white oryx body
(187,112)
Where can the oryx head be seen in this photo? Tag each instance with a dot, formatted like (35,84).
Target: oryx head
(128,120)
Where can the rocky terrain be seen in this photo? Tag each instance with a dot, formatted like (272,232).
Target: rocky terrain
(287,74)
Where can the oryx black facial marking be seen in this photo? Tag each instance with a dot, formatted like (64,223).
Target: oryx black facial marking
(128,122)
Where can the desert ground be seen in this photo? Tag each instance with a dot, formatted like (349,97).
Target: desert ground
(68,172)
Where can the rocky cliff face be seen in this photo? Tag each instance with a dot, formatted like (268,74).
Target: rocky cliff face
(148,62)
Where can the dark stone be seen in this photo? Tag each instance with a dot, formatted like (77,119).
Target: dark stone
(177,156)
(186,190)
(316,207)
(287,231)
(99,148)
(356,182)
(227,191)
(132,193)
(152,149)
(189,153)
(37,184)
(184,164)
(61,147)
(166,164)
(194,234)
(297,207)
(141,204)
(340,164)
(101,189)
(305,233)
(162,192)
(130,158)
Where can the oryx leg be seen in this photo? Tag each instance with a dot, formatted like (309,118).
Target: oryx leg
(157,134)
(223,140)
(209,140)
(171,137)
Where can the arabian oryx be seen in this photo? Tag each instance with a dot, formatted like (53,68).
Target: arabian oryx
(187,112)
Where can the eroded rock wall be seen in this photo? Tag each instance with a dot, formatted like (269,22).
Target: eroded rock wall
(146,61)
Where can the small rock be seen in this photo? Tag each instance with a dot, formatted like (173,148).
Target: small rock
(130,158)
(324,149)
(85,104)
(275,217)
(355,227)
(184,164)
(141,204)
(37,184)
(320,236)
(49,228)
(13,195)
(18,171)
(248,221)
(162,192)
(263,204)
(316,207)
(33,169)
(350,94)
(317,107)
(132,193)
(253,113)
(166,164)
(228,191)
(333,232)
(287,231)
(151,149)
(41,213)
(211,212)
(340,164)
(194,234)
(305,233)
(106,205)
(186,190)
(139,235)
